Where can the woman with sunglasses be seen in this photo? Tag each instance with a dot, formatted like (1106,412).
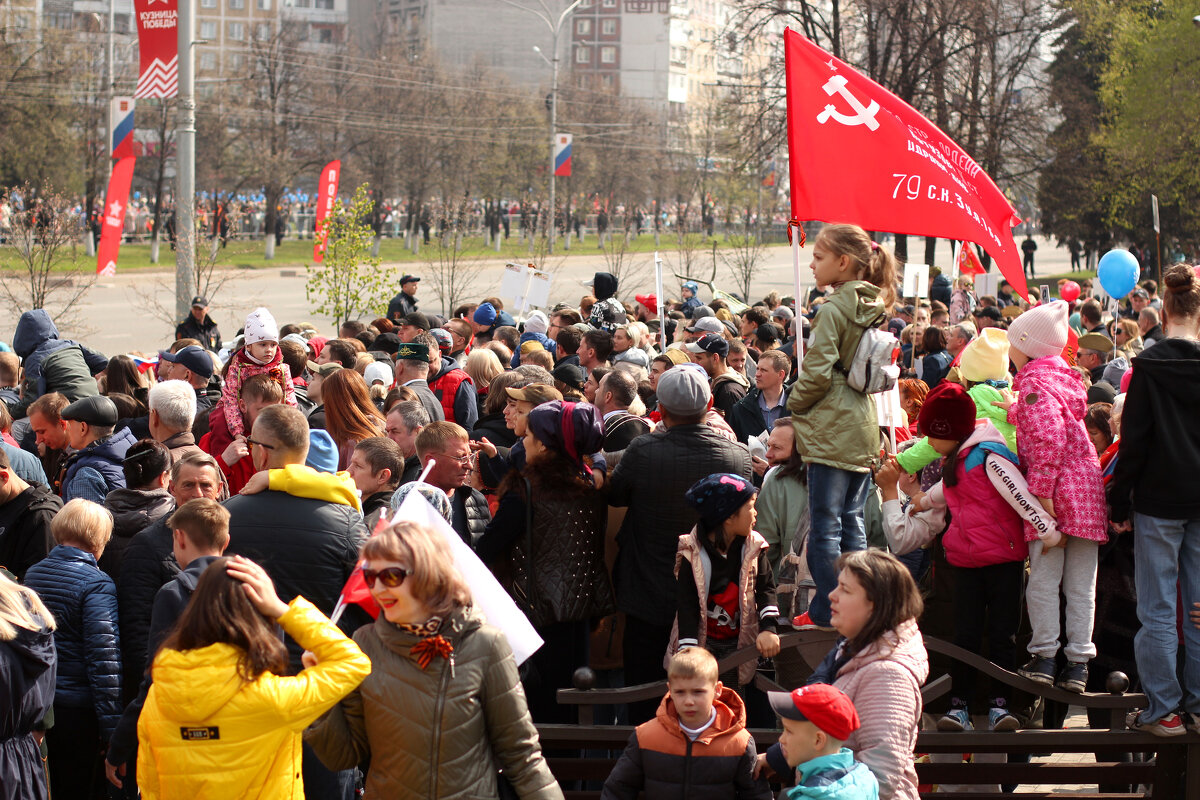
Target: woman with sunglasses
(442,711)
(546,546)
(223,718)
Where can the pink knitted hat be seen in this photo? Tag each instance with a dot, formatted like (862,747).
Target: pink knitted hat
(1040,331)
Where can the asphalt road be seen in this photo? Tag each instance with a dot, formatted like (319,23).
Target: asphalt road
(118,314)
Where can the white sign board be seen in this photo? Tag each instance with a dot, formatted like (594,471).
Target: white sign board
(987,284)
(539,289)
(916,280)
(512,282)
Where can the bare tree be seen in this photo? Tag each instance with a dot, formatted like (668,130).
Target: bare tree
(45,267)
(454,274)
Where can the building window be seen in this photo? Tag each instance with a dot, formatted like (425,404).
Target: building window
(237,62)
(609,4)
(208,61)
(323,36)
(582,55)
(608,55)
(583,27)
(606,81)
(262,31)
(608,27)
(264,5)
(208,30)
(325,4)
(236,31)
(237,5)
(208,3)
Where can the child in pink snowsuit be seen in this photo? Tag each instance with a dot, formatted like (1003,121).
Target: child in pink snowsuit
(1063,473)
(259,355)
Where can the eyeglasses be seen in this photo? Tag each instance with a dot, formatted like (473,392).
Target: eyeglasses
(263,445)
(391,577)
(462,461)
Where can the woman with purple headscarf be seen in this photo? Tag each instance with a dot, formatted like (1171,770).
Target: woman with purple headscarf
(546,546)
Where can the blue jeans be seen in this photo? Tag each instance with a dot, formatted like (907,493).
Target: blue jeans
(835,500)
(1166,552)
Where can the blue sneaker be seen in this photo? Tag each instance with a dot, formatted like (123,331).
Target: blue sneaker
(1039,670)
(956,719)
(1000,720)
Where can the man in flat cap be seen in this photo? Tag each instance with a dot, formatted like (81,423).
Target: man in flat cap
(412,370)
(95,468)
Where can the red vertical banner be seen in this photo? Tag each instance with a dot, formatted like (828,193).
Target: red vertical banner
(114,217)
(1071,351)
(325,198)
(158,48)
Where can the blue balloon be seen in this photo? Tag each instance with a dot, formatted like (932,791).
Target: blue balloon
(1118,272)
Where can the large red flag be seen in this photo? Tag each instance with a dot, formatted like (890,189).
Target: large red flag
(114,216)
(325,198)
(860,154)
(158,48)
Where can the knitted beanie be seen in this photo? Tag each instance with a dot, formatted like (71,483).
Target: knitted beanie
(985,358)
(947,413)
(1040,331)
(261,327)
(718,497)
(537,323)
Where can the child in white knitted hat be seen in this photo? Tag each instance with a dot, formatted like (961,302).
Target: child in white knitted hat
(259,355)
(1063,473)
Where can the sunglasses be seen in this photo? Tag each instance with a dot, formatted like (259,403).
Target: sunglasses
(263,445)
(391,577)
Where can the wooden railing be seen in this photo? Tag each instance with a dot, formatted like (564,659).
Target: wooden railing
(1170,768)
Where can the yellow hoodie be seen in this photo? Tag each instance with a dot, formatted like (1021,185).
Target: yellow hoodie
(299,480)
(206,734)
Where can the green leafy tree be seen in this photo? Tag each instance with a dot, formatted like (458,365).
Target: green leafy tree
(1151,94)
(348,281)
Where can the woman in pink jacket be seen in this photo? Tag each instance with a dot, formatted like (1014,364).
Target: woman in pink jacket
(880,663)
(1063,473)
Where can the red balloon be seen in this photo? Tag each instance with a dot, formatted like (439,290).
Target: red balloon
(1069,291)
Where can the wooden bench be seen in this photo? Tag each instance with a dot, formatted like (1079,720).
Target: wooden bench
(1174,772)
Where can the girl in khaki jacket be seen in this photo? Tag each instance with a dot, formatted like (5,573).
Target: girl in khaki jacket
(442,711)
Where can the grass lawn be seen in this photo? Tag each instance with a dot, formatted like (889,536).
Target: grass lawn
(248,254)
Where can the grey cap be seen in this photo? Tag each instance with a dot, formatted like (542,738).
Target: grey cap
(699,312)
(782,312)
(707,325)
(97,410)
(684,391)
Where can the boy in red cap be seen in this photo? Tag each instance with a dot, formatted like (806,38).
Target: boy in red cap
(817,720)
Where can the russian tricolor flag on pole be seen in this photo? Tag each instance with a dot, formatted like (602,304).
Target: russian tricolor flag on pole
(120,122)
(562,155)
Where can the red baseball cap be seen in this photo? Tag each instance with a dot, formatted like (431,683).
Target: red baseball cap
(649,301)
(821,704)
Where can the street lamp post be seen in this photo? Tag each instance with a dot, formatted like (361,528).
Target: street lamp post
(185,160)
(555,27)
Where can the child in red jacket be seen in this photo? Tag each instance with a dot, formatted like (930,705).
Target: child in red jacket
(988,502)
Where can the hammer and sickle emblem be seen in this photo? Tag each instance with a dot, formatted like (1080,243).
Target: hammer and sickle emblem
(864,115)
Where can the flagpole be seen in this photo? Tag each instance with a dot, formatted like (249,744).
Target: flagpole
(797,322)
(658,288)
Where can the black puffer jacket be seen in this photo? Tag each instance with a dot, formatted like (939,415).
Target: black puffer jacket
(308,547)
(25,529)
(133,510)
(493,428)
(147,565)
(27,665)
(470,514)
(651,479)
(83,601)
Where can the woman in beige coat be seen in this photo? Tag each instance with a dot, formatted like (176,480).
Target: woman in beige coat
(442,711)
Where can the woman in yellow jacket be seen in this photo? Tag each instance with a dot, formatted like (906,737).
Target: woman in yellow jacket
(221,719)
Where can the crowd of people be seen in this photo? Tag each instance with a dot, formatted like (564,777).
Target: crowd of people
(656,483)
